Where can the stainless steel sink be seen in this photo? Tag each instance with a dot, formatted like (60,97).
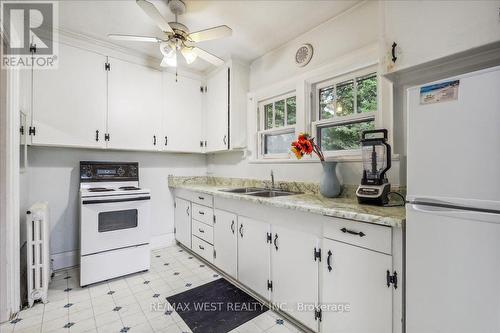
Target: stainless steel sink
(244,190)
(272,194)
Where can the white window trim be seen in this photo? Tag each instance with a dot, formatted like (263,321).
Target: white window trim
(315,112)
(261,131)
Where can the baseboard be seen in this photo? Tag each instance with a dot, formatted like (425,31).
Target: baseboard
(65,259)
(160,241)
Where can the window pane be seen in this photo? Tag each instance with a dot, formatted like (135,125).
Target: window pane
(268,115)
(343,137)
(291,110)
(367,93)
(345,98)
(326,103)
(278,143)
(279,117)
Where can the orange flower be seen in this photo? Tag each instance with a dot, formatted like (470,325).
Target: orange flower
(305,145)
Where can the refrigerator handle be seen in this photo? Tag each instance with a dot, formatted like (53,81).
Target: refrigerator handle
(463,214)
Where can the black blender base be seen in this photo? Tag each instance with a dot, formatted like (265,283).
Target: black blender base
(379,200)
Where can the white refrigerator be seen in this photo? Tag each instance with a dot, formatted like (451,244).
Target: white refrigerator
(452,234)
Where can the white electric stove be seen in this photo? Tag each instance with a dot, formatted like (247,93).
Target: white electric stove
(114,221)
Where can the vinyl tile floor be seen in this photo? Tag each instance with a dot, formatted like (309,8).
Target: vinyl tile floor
(134,303)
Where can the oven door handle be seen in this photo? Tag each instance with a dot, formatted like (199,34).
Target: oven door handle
(91,202)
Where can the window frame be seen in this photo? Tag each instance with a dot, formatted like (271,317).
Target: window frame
(317,123)
(262,131)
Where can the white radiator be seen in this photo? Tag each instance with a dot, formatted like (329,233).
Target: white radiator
(38,266)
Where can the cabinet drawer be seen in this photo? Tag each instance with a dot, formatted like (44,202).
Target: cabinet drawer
(203,231)
(203,249)
(202,199)
(203,214)
(370,236)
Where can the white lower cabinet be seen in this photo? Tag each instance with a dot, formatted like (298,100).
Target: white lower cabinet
(253,255)
(225,242)
(182,221)
(203,248)
(355,277)
(295,273)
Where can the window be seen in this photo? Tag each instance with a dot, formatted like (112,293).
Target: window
(344,108)
(277,125)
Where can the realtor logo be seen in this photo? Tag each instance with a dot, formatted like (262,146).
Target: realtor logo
(28,33)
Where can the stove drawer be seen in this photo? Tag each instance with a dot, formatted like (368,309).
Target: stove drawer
(203,231)
(203,249)
(203,214)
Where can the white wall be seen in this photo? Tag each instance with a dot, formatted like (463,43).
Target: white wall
(54,177)
(341,44)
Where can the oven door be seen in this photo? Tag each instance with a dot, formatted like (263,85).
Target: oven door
(113,222)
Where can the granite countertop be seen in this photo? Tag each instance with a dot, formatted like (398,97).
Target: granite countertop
(310,201)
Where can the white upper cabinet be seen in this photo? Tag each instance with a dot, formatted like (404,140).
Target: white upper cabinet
(69,103)
(226,104)
(181,114)
(428,30)
(134,106)
(295,273)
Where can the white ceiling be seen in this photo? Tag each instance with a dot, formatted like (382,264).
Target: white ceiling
(258,26)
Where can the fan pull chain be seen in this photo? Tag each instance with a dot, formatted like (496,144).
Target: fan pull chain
(176,74)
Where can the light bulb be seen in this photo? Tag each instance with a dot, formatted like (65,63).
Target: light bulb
(189,54)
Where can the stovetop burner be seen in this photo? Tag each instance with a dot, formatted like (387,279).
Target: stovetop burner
(100,189)
(129,188)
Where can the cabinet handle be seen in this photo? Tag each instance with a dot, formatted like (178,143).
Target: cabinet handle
(154,140)
(97,135)
(201,230)
(201,247)
(393,52)
(201,198)
(187,210)
(360,234)
(224,140)
(241,230)
(201,213)
(166,140)
(232,227)
(276,241)
(328,260)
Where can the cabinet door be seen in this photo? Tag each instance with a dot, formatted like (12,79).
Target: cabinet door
(182,114)
(295,273)
(183,222)
(357,279)
(69,103)
(217,99)
(134,109)
(253,255)
(225,242)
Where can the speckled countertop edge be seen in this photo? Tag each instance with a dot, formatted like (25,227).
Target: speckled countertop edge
(346,207)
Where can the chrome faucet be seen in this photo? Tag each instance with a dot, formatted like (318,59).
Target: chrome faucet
(272,179)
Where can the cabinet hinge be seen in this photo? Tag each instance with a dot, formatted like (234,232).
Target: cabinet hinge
(214,218)
(21,130)
(318,314)
(106,137)
(269,285)
(175,230)
(317,254)
(175,204)
(215,254)
(201,144)
(392,279)
(205,143)
(269,238)
(107,66)
(32,130)
(32,48)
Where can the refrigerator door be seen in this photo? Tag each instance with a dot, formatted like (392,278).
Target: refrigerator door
(454,145)
(452,271)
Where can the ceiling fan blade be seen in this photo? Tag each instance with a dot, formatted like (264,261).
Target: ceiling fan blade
(208,56)
(135,38)
(155,15)
(212,33)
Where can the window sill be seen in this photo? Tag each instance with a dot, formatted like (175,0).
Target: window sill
(339,158)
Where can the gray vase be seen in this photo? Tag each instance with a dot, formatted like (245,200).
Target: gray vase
(329,185)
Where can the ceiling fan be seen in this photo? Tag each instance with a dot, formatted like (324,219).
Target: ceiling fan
(177,37)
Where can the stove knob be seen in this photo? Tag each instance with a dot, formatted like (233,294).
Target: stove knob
(121,171)
(133,171)
(88,173)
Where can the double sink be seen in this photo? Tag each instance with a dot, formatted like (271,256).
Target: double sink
(260,192)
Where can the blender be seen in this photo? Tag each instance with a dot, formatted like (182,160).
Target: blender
(376,154)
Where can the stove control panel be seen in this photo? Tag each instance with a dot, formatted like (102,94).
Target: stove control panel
(108,171)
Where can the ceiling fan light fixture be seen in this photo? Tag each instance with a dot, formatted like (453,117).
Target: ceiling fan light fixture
(189,54)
